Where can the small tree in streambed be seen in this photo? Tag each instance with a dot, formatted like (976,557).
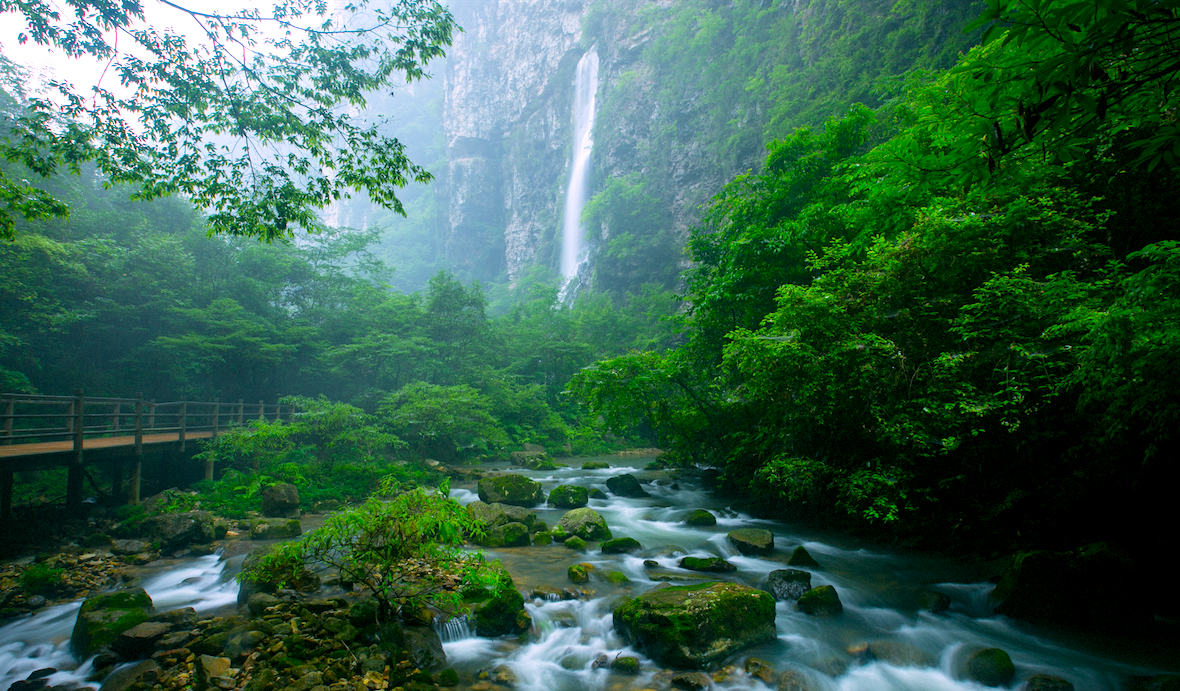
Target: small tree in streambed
(405,552)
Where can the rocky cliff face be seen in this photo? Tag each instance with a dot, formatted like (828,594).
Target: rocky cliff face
(508,126)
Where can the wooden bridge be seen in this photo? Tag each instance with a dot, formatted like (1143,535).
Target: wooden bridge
(42,432)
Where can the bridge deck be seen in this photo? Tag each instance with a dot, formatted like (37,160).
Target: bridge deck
(19,450)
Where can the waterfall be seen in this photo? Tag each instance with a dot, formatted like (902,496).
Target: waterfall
(572,233)
(454,629)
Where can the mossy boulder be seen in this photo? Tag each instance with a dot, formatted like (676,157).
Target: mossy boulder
(707,564)
(626,486)
(617,577)
(501,611)
(788,584)
(694,626)
(514,490)
(176,530)
(103,618)
(542,538)
(275,529)
(507,535)
(821,602)
(991,667)
(502,524)
(756,541)
(595,465)
(280,501)
(586,523)
(801,557)
(625,664)
(578,573)
(700,517)
(596,493)
(569,497)
(575,542)
(621,545)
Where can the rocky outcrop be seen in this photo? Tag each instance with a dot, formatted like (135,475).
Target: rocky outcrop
(694,626)
(515,490)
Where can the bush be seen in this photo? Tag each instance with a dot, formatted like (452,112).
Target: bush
(40,579)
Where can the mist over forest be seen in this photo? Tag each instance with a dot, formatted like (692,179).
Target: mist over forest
(905,271)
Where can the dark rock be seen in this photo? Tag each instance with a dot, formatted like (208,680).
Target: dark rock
(707,564)
(515,490)
(693,681)
(424,647)
(900,653)
(35,602)
(759,669)
(788,584)
(176,530)
(586,523)
(258,602)
(140,640)
(794,680)
(991,667)
(103,618)
(595,465)
(124,547)
(801,557)
(651,564)
(625,664)
(601,661)
(935,602)
(239,644)
(596,493)
(569,497)
(1045,682)
(502,611)
(281,501)
(42,673)
(621,545)
(184,616)
(821,602)
(364,611)
(275,529)
(626,486)
(448,678)
(326,506)
(756,541)
(694,626)
(700,517)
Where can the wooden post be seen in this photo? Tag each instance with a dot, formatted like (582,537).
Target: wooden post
(133,493)
(118,409)
(209,459)
(261,410)
(8,412)
(6,492)
(152,415)
(74,476)
(183,416)
(70,417)
(241,409)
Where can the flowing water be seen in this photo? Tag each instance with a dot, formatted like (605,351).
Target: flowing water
(572,232)
(882,594)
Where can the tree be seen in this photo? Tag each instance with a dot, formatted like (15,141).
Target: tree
(257,124)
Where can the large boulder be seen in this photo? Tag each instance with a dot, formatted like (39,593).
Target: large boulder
(707,564)
(515,490)
(626,486)
(176,530)
(801,557)
(788,584)
(280,501)
(694,626)
(991,667)
(503,525)
(500,610)
(700,517)
(620,545)
(1087,587)
(585,523)
(821,602)
(275,528)
(103,618)
(569,497)
(756,541)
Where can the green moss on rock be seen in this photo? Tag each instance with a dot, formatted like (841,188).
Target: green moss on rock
(575,542)
(595,465)
(821,602)
(694,626)
(103,618)
(801,557)
(991,667)
(586,523)
(569,497)
(514,490)
(707,564)
(700,517)
(756,541)
(621,545)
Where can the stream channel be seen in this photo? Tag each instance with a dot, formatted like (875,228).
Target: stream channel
(882,592)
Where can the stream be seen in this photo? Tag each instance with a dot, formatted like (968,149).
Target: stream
(882,592)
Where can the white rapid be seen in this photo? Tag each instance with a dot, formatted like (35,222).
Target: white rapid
(42,640)
(572,233)
(882,593)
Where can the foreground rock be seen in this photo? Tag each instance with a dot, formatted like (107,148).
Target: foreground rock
(756,541)
(500,611)
(788,584)
(514,490)
(694,626)
(626,486)
(821,602)
(103,618)
(991,667)
(281,501)
(569,497)
(700,517)
(585,523)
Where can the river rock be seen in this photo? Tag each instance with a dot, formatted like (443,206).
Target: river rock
(140,640)
(794,680)
(578,573)
(501,610)
(899,653)
(258,602)
(424,647)
(935,602)
(697,625)
(626,486)
(586,523)
(515,490)
(275,529)
(596,493)
(281,501)
(146,672)
(504,525)
(569,497)
(176,530)
(991,667)
(801,557)
(700,517)
(759,669)
(788,584)
(126,547)
(821,602)
(625,664)
(693,681)
(756,541)
(621,545)
(574,542)
(103,618)
(595,465)
(1045,682)
(707,564)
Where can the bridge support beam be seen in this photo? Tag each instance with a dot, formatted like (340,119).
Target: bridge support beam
(136,475)
(74,476)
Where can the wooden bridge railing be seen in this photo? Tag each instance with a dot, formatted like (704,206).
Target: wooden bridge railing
(30,420)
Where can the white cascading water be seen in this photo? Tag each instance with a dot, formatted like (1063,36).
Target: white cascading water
(573,236)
